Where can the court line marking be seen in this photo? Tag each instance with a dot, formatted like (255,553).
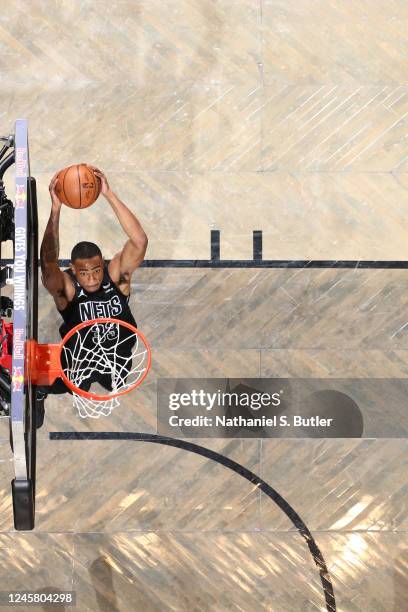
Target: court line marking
(293,516)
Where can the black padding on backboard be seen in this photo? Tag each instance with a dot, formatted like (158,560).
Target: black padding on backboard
(31,432)
(23,504)
(33,254)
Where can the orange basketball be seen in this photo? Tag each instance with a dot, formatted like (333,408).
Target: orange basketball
(78,186)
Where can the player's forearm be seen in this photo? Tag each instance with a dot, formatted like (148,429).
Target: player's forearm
(130,224)
(49,251)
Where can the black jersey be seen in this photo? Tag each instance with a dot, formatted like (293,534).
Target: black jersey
(108,301)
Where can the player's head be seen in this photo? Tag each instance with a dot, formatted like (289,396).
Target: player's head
(87,265)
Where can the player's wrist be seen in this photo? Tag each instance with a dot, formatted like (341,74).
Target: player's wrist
(56,205)
(108,194)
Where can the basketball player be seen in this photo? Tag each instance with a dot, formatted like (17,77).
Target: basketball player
(89,288)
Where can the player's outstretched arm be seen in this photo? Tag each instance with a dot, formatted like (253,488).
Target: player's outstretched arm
(124,263)
(53,278)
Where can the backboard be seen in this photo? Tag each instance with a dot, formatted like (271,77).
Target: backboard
(24,280)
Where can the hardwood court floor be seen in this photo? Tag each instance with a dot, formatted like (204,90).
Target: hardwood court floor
(287,117)
(130,521)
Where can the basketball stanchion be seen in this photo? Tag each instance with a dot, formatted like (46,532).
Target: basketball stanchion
(108,352)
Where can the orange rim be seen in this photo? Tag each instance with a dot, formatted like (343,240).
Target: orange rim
(109,396)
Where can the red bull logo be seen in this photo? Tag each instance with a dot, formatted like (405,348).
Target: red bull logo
(21,162)
(17,379)
(21,197)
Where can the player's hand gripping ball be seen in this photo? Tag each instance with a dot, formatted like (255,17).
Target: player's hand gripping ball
(78,186)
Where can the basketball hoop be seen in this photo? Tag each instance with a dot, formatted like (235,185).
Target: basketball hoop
(105,351)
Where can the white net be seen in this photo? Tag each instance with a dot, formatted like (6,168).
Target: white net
(104,358)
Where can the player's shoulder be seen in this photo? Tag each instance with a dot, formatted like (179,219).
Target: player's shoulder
(118,280)
(65,293)
(112,269)
(69,284)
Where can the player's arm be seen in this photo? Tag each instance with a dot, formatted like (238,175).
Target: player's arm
(124,263)
(57,282)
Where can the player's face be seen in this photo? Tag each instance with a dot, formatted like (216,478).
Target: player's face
(89,272)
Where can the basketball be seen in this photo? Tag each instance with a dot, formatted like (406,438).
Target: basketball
(77,186)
